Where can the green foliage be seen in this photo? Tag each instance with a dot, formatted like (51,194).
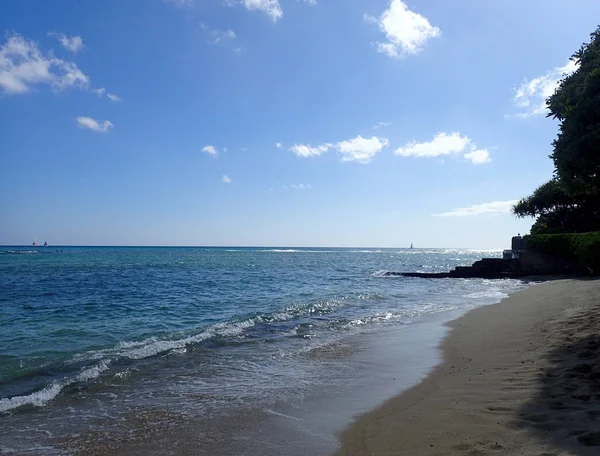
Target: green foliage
(570,202)
(576,104)
(582,248)
(548,198)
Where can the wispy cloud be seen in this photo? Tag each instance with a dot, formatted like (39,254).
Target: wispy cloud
(300,186)
(359,149)
(446,144)
(279,145)
(210,150)
(493,208)
(225,179)
(94,125)
(23,66)
(407,32)
(303,150)
(217,36)
(112,97)
(381,125)
(181,3)
(531,95)
(270,7)
(72,43)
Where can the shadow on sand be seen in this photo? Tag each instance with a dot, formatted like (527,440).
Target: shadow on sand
(565,411)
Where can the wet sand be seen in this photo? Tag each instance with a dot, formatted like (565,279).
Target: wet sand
(521,377)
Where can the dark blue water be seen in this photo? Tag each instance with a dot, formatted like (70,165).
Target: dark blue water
(83,322)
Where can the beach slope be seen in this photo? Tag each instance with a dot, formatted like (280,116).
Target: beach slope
(521,377)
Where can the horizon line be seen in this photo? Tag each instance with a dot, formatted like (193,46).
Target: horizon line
(240,246)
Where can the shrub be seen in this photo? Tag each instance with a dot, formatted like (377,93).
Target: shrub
(583,248)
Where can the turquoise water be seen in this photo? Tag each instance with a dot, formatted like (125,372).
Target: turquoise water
(83,324)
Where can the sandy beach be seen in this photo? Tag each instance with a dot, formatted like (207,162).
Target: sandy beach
(521,377)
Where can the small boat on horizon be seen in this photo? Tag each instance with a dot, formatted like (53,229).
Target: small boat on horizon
(411,245)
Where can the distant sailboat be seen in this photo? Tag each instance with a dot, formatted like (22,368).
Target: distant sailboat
(411,245)
(45,243)
(34,243)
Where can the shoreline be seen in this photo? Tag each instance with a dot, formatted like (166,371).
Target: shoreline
(356,375)
(518,377)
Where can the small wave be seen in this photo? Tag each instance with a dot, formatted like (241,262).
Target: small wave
(20,252)
(384,273)
(43,396)
(448,251)
(283,250)
(154,346)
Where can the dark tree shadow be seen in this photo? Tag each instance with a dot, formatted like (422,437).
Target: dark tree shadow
(565,411)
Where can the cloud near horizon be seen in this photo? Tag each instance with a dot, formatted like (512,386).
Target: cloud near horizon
(225,179)
(407,32)
(446,144)
(94,125)
(492,208)
(23,66)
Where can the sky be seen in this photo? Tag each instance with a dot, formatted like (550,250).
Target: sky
(278,122)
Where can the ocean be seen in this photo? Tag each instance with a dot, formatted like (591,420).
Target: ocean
(93,338)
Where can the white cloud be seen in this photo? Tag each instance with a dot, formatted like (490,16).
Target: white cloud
(479,156)
(270,7)
(446,144)
(310,2)
(381,125)
(495,207)
(210,150)
(302,150)
(442,144)
(279,145)
(226,179)
(531,95)
(23,65)
(114,98)
(73,43)
(301,186)
(407,32)
(94,125)
(359,149)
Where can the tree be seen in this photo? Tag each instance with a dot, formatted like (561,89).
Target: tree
(550,197)
(576,104)
(570,202)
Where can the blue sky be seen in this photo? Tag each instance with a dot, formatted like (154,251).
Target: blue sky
(278,122)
